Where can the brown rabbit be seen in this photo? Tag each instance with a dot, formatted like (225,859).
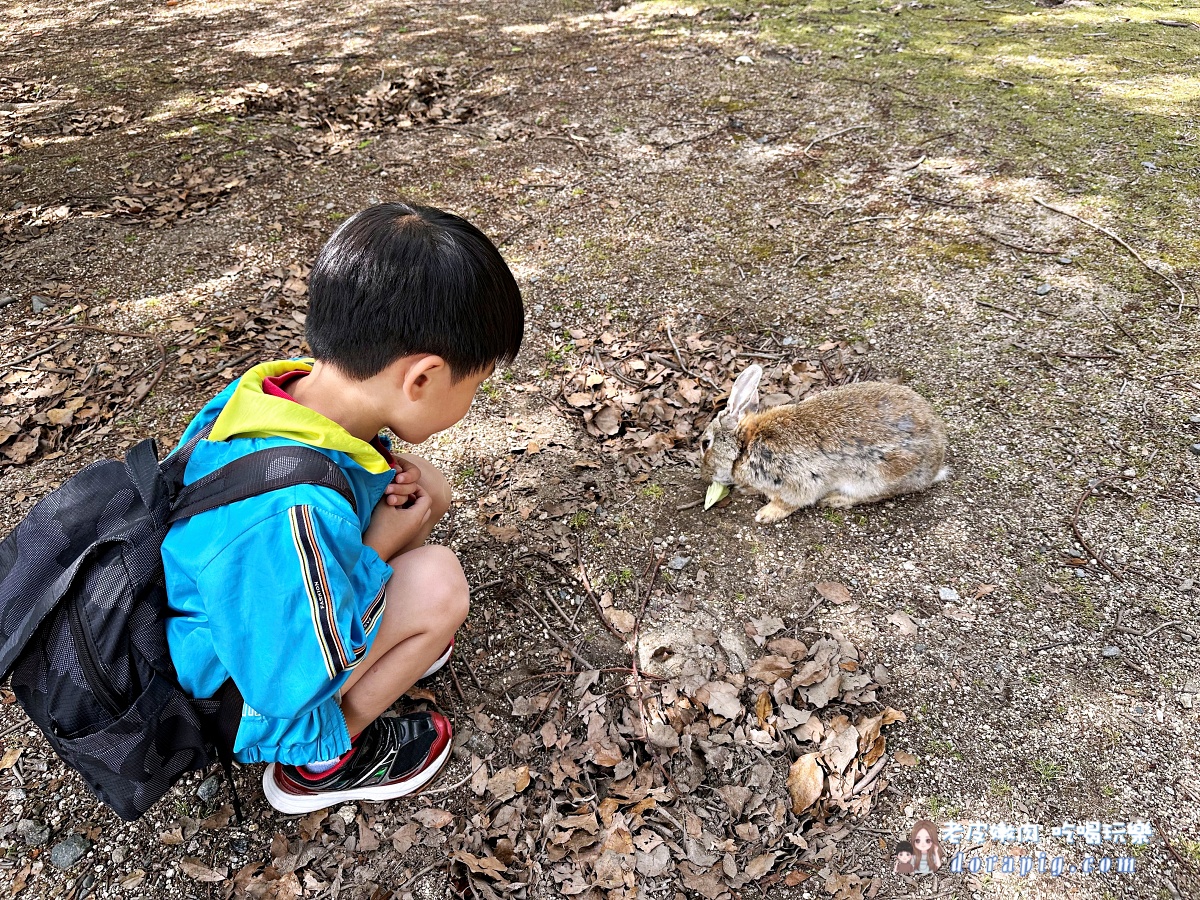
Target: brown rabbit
(858,443)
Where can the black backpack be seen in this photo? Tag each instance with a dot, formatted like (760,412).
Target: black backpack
(82,617)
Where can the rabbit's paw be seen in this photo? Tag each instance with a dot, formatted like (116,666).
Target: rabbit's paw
(774,511)
(837,500)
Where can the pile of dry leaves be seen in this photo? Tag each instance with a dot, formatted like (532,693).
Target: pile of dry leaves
(418,96)
(706,770)
(189,191)
(76,379)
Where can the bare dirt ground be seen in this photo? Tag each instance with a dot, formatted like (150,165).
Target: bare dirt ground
(835,190)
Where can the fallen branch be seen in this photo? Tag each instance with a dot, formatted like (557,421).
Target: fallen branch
(678,355)
(1113,236)
(36,353)
(869,778)
(162,365)
(1087,548)
(562,642)
(1018,247)
(832,134)
(587,587)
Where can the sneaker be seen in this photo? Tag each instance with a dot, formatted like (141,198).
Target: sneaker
(393,757)
(439,662)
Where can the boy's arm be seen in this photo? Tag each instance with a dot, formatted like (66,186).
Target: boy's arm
(292,603)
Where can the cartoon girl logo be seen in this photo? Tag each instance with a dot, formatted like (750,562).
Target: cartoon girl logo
(927,856)
(904,859)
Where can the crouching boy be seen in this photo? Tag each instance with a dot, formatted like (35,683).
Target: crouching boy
(322,615)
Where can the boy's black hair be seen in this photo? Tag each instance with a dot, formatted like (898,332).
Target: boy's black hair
(397,279)
(904,847)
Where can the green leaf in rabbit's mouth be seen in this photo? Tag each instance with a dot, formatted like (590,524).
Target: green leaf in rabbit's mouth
(716,493)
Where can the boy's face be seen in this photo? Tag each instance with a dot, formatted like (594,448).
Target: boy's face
(904,856)
(440,402)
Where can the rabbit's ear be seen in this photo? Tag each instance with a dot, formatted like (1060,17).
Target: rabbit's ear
(743,396)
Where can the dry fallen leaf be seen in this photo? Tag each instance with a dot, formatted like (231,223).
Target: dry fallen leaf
(804,782)
(903,621)
(195,869)
(11,755)
(507,783)
(432,817)
(833,591)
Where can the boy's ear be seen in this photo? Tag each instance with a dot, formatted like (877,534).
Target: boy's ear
(416,371)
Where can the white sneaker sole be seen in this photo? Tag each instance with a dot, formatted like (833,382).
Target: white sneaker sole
(292,804)
(438,663)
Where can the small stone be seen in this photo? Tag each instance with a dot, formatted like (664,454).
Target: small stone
(1065,260)
(1195,448)
(39,303)
(1194,419)
(12,169)
(209,788)
(66,853)
(744,61)
(35,834)
(118,855)
(1111,651)
(347,813)
(948,595)
(15,795)
(481,744)
(678,562)
(1185,700)
(920,648)
(1043,290)
(591,69)
(239,846)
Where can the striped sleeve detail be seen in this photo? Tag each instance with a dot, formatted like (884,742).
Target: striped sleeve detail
(375,610)
(316,583)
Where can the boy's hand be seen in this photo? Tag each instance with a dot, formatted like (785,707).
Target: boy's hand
(393,526)
(404,484)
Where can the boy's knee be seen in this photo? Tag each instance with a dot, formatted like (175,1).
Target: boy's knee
(439,490)
(443,583)
(434,484)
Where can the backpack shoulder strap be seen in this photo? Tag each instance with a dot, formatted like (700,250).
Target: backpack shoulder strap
(259,473)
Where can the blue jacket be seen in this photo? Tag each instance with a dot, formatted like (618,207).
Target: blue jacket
(277,591)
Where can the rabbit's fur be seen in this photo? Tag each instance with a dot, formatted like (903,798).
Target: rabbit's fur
(858,443)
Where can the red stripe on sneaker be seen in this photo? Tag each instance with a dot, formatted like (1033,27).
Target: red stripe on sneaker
(318,776)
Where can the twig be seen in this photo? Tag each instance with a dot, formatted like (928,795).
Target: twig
(1004,243)
(1159,628)
(587,587)
(682,506)
(678,355)
(35,354)
(1104,231)
(1003,309)
(229,365)
(565,617)
(162,365)
(471,671)
(554,634)
(832,134)
(869,779)
(1170,849)
(457,686)
(1079,535)
(455,786)
(425,871)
